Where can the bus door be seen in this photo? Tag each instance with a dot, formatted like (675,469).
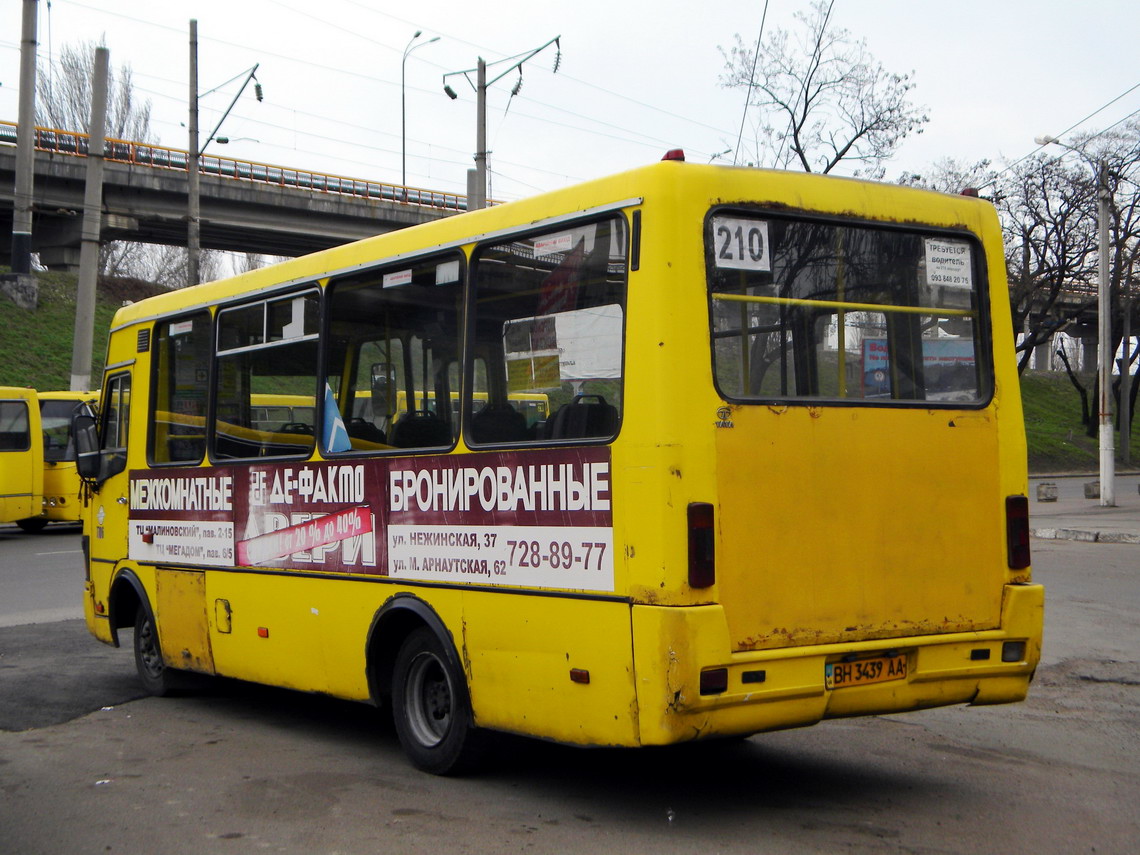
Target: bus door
(21,454)
(106,527)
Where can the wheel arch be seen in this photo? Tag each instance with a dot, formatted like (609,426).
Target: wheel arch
(392,623)
(127,594)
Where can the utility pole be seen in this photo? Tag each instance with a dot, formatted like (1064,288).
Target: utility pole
(1104,331)
(1126,383)
(25,152)
(193,220)
(480,200)
(1104,326)
(477,178)
(92,221)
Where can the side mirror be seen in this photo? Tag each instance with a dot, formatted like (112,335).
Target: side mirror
(87,457)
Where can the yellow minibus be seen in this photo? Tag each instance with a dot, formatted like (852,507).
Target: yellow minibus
(767,493)
(21,455)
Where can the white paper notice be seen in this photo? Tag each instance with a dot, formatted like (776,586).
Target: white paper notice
(948,263)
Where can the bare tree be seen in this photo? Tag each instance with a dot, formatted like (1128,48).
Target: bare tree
(1048,207)
(64,102)
(952,176)
(246,262)
(1048,211)
(822,97)
(63,96)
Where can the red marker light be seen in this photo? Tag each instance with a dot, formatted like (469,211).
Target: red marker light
(714,681)
(1017,532)
(674,154)
(702,545)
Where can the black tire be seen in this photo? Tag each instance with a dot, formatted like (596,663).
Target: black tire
(156,676)
(32,524)
(431,708)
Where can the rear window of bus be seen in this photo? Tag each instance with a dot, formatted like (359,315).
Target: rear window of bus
(812,310)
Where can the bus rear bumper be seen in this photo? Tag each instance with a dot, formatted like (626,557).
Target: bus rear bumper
(775,689)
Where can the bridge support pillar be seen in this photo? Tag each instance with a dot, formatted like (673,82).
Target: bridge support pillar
(60,259)
(58,243)
(1089,347)
(1043,355)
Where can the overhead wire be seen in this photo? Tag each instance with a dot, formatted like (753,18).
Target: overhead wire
(751,85)
(814,58)
(335,70)
(1068,130)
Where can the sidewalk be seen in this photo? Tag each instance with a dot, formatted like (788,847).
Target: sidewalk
(1073,517)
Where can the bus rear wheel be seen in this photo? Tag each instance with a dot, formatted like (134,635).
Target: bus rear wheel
(32,524)
(431,709)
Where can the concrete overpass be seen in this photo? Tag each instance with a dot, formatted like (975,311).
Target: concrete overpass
(245,206)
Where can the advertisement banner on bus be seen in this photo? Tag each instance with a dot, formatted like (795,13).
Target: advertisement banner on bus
(540,519)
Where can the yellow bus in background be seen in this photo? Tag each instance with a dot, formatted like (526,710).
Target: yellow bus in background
(21,455)
(61,483)
(782,477)
(49,464)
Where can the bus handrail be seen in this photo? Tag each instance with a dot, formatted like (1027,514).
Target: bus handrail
(845,305)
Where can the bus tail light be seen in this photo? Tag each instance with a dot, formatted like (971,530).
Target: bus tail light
(1017,531)
(702,552)
(1013,651)
(714,681)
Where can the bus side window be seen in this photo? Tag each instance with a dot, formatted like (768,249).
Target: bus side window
(14,426)
(549,321)
(182,352)
(116,416)
(267,354)
(397,331)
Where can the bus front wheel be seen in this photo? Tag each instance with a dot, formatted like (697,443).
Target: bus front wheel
(430,707)
(154,673)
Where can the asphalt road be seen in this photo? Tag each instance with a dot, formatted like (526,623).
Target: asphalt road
(87,767)
(41,575)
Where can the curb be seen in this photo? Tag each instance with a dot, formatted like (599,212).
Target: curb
(1084,535)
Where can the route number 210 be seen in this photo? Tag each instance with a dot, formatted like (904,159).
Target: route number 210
(741,244)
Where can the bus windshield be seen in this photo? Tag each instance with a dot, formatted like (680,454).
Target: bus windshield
(56,424)
(805,309)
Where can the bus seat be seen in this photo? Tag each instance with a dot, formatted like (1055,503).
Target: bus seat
(296,427)
(498,423)
(420,429)
(581,419)
(359,428)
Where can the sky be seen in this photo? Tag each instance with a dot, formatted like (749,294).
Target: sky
(635,78)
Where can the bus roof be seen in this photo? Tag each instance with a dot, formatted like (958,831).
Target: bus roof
(823,194)
(67,396)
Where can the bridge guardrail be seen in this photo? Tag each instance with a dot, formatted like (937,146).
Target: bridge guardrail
(161,157)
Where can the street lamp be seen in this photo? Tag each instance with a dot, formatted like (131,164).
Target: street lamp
(404,111)
(1104,327)
(477,196)
(193,152)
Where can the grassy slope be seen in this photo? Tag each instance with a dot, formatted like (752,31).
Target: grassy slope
(35,350)
(35,347)
(1057,439)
